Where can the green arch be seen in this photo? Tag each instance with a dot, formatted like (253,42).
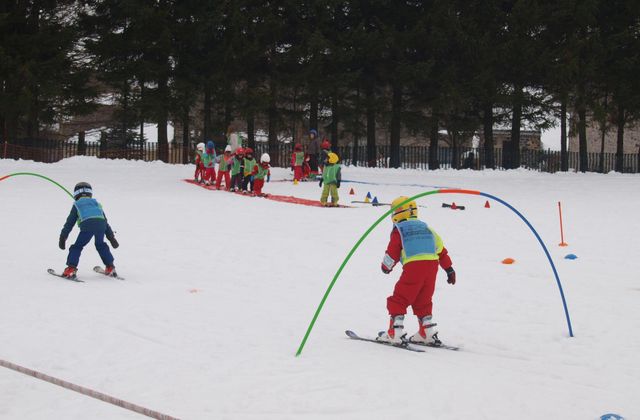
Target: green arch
(39,176)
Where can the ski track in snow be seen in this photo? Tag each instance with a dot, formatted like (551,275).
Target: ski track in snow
(221,288)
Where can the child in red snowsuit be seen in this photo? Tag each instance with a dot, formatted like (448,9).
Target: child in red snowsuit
(421,251)
(198,176)
(224,165)
(297,160)
(209,162)
(260,173)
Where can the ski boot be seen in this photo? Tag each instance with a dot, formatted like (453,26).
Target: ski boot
(395,333)
(427,333)
(110,271)
(70,272)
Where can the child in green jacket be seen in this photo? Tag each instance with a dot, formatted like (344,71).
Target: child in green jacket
(331,178)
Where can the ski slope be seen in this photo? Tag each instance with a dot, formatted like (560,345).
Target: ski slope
(220,290)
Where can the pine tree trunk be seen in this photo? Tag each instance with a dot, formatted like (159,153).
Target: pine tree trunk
(371,128)
(335,119)
(455,155)
(620,142)
(186,143)
(206,129)
(516,121)
(434,163)
(487,128)
(313,109)
(273,126)
(163,141)
(582,138)
(396,110)
(251,130)
(564,155)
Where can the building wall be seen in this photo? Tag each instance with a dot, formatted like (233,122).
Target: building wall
(594,139)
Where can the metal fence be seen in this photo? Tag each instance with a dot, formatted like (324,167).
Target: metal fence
(411,157)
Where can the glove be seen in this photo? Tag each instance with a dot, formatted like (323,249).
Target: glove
(268,178)
(338,184)
(451,275)
(61,242)
(112,240)
(385,270)
(320,184)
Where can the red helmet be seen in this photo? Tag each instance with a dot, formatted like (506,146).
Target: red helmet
(297,147)
(248,151)
(239,151)
(325,144)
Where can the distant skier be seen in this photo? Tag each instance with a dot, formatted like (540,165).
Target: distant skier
(224,164)
(331,178)
(297,161)
(88,213)
(209,163)
(420,250)
(249,165)
(199,174)
(260,173)
(237,170)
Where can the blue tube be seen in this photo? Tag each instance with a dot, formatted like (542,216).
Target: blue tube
(546,251)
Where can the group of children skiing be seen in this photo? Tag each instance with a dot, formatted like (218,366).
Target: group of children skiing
(239,169)
(242,173)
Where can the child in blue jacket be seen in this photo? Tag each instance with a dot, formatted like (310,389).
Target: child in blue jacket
(91,220)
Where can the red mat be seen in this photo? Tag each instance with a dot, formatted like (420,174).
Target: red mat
(280,198)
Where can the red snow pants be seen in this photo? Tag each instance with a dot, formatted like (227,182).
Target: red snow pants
(199,175)
(210,175)
(227,180)
(414,288)
(257,186)
(297,172)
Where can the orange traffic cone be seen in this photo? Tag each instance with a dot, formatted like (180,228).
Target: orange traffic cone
(351,192)
(486,205)
(453,206)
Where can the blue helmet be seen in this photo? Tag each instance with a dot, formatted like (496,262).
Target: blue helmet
(314,132)
(210,145)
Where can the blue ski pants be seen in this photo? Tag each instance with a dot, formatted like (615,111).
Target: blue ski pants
(83,239)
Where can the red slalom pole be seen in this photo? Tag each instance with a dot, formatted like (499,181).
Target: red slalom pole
(562,242)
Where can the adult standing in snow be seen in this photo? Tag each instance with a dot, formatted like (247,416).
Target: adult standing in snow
(421,251)
(314,151)
(233,138)
(88,213)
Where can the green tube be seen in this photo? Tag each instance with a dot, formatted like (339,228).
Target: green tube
(39,176)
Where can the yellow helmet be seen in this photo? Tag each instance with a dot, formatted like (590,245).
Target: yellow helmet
(332,158)
(408,210)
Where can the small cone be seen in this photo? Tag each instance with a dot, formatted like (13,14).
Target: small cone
(351,192)
(366,199)
(453,206)
(486,205)
(369,195)
(295,182)
(508,261)
(375,201)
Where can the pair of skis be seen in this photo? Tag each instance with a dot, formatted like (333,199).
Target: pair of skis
(406,345)
(97,269)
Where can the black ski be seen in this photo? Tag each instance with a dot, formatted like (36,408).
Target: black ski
(404,345)
(436,346)
(53,273)
(100,270)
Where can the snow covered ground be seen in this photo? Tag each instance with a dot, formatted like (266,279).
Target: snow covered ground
(221,288)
